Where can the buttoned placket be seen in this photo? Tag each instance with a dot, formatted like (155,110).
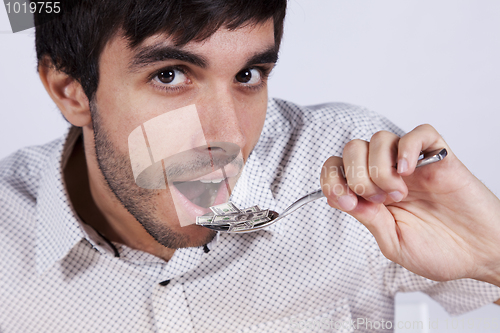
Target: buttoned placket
(171,308)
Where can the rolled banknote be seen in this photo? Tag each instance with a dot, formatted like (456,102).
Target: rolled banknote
(225,208)
(239,217)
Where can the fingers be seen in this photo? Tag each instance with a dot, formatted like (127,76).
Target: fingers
(334,185)
(366,183)
(422,138)
(341,195)
(382,160)
(358,172)
(368,168)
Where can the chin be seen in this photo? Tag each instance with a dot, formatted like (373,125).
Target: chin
(173,236)
(196,235)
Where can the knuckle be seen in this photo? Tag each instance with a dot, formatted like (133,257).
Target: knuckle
(383,136)
(354,146)
(332,161)
(426,127)
(331,172)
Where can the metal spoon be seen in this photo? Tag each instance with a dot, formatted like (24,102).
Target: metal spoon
(427,158)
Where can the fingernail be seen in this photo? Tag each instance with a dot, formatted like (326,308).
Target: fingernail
(378,198)
(347,203)
(396,196)
(402,165)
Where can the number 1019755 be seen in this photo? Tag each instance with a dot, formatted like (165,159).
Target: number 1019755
(33,7)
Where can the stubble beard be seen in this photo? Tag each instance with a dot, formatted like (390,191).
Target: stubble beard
(139,202)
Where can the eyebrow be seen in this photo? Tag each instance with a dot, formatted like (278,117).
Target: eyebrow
(268,56)
(157,53)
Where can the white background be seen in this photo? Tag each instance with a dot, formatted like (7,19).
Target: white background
(413,61)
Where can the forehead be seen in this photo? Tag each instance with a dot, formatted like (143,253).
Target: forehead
(242,42)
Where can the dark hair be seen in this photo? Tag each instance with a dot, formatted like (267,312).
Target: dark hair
(74,39)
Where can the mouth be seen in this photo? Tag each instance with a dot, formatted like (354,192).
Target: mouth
(195,197)
(202,193)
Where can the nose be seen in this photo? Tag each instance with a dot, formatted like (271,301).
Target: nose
(220,116)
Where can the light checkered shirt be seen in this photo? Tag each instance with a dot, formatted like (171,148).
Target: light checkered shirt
(316,271)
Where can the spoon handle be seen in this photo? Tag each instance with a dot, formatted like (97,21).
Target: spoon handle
(318,194)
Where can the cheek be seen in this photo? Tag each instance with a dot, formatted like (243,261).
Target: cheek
(116,114)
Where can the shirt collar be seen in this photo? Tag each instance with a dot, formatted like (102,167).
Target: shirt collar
(57,227)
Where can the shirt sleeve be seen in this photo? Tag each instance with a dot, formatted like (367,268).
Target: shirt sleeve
(456,297)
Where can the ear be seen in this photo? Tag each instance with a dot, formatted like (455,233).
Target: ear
(67,93)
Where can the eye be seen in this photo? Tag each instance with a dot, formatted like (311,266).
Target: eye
(250,76)
(171,77)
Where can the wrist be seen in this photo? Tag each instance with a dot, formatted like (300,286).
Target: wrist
(493,276)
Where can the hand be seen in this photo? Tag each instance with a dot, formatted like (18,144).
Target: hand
(438,221)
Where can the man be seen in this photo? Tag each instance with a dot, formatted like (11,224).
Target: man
(84,248)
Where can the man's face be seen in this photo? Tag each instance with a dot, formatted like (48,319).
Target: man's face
(225,77)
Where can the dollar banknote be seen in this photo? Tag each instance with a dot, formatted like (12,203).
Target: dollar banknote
(239,217)
(235,219)
(204,219)
(225,208)
(251,209)
(240,226)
